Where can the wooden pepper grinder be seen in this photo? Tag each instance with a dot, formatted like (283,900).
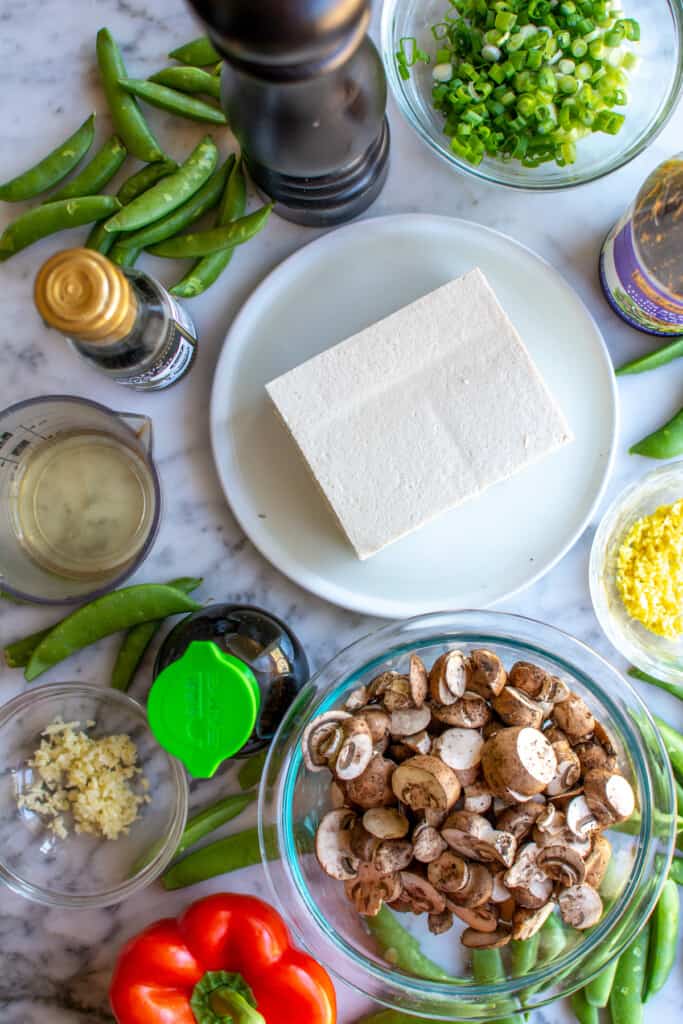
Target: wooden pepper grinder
(304,91)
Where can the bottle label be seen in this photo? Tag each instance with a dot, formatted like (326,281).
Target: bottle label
(631,291)
(176,357)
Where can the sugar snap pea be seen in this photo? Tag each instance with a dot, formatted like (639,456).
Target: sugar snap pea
(129,122)
(202,243)
(626,997)
(46,220)
(225,855)
(137,640)
(213,817)
(675,688)
(124,255)
(18,653)
(251,770)
(653,360)
(390,1017)
(170,192)
(53,167)
(101,169)
(172,100)
(99,239)
(584,1012)
(198,52)
(663,940)
(402,949)
(523,955)
(597,991)
(676,870)
(144,179)
(119,610)
(196,206)
(663,443)
(188,79)
(488,969)
(673,741)
(208,269)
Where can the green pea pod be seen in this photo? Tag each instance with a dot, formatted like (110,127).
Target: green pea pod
(18,654)
(552,941)
(598,990)
(50,218)
(523,955)
(582,1009)
(207,270)
(626,997)
(390,1017)
(676,870)
(53,167)
(653,360)
(663,443)
(170,192)
(119,610)
(488,969)
(674,688)
(137,640)
(213,817)
(124,255)
(98,173)
(173,101)
(225,855)
(188,80)
(144,179)
(402,949)
(129,121)
(195,207)
(673,741)
(663,940)
(99,239)
(198,52)
(251,770)
(202,243)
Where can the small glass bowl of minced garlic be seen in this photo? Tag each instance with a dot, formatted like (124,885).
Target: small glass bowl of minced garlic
(636,572)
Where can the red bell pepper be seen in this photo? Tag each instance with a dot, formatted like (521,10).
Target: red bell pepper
(228,958)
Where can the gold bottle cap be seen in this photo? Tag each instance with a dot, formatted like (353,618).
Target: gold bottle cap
(85,296)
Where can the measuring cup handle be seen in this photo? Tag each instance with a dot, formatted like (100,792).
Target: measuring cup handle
(141,426)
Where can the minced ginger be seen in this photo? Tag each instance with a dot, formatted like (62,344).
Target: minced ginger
(650,570)
(86,778)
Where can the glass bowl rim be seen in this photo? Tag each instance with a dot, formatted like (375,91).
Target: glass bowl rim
(647,137)
(163,856)
(419,987)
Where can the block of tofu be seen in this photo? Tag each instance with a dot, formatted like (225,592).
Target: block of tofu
(418,413)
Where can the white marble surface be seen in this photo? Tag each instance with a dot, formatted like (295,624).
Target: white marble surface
(54,965)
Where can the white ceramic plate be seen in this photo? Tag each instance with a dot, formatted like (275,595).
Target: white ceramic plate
(480,552)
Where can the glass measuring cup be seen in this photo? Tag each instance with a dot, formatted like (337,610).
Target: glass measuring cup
(29,430)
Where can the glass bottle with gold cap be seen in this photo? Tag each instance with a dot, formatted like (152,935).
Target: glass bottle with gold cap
(121,320)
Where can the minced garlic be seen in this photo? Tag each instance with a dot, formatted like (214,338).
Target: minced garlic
(86,778)
(650,570)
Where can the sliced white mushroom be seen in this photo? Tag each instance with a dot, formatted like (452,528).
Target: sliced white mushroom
(380,684)
(378,722)
(392,855)
(356,751)
(397,695)
(487,675)
(425,782)
(322,739)
(363,844)
(553,691)
(333,845)
(408,721)
(574,717)
(592,754)
(357,699)
(480,919)
(597,861)
(580,906)
(468,712)
(474,836)
(568,769)
(526,923)
(419,683)
(369,891)
(440,923)
(529,886)
(561,863)
(373,787)
(386,823)
(460,749)
(337,795)
(580,818)
(518,759)
(478,888)
(516,708)
(418,743)
(529,678)
(520,818)
(448,677)
(448,873)
(475,939)
(421,894)
(609,796)
(428,843)
(500,893)
(478,798)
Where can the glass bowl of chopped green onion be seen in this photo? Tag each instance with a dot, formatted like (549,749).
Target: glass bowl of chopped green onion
(636,573)
(393,957)
(91,807)
(535,94)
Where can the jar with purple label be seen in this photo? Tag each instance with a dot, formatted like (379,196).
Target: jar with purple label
(641,263)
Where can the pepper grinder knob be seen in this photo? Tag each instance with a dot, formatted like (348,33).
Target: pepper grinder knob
(304,91)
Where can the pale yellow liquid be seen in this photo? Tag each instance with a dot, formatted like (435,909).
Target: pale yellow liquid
(83,505)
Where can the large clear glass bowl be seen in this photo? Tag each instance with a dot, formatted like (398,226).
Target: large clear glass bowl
(653,93)
(83,871)
(293,800)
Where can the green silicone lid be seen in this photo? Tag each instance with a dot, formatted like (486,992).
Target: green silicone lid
(203,707)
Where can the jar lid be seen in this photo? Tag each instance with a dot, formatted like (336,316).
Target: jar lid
(203,707)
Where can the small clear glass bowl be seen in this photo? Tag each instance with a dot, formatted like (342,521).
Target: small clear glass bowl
(293,800)
(653,89)
(83,871)
(654,654)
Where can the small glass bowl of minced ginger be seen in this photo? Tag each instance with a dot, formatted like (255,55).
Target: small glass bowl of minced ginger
(636,573)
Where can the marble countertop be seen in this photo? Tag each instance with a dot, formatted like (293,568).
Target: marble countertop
(54,964)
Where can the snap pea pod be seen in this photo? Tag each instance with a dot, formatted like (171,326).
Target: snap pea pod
(653,360)
(552,940)
(597,991)
(663,443)
(95,175)
(124,255)
(390,1017)
(225,855)
(137,640)
(191,210)
(673,741)
(129,121)
(119,610)
(584,1012)
(188,79)
(198,52)
(173,101)
(212,818)
(50,218)
(626,997)
(170,192)
(19,653)
(207,270)
(676,870)
(251,770)
(523,955)
(202,243)
(144,179)
(674,688)
(663,940)
(488,969)
(99,239)
(53,167)
(402,949)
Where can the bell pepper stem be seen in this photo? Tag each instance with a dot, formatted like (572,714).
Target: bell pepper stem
(230,1006)
(224,998)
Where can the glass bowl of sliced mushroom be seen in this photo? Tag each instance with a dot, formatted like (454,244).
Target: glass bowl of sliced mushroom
(466,815)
